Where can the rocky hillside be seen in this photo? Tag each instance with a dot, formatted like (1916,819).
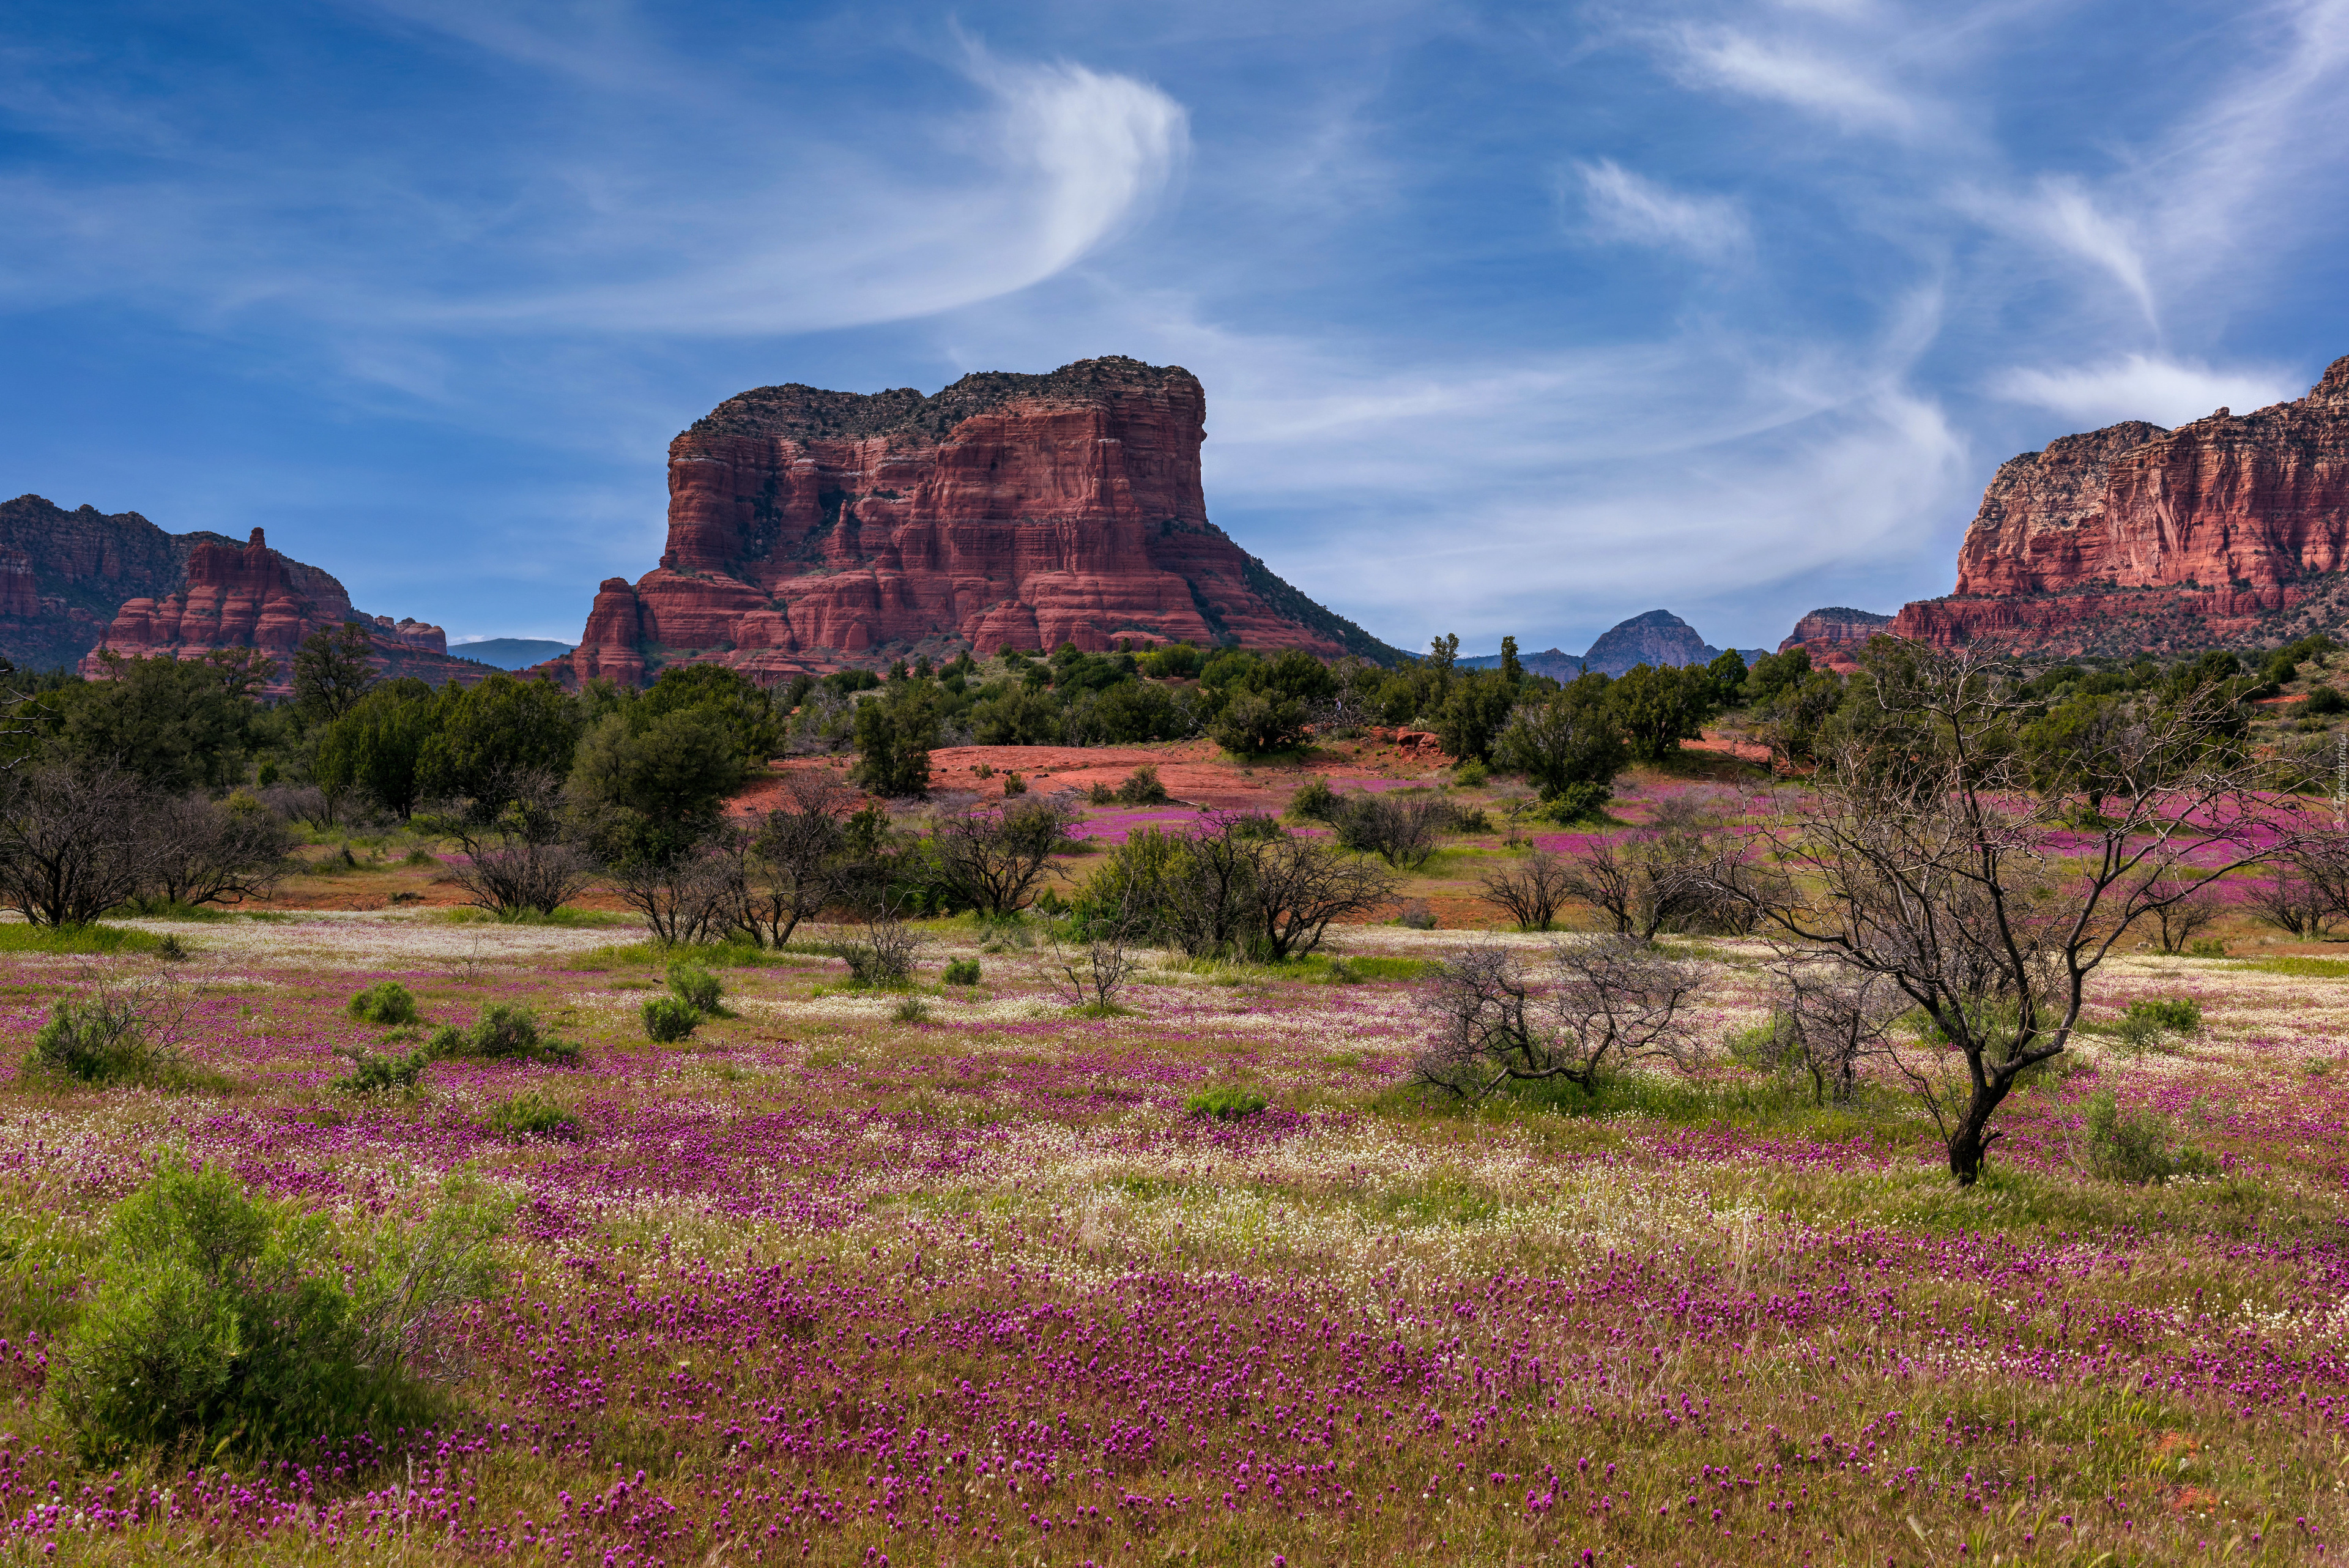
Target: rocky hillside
(1659,638)
(2232,529)
(73,582)
(811,529)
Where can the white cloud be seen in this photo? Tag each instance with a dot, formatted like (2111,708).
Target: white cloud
(1633,208)
(1838,91)
(2061,214)
(2144,386)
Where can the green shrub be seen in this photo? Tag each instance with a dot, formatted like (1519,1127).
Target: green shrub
(1141,788)
(101,1041)
(2132,1145)
(2149,1018)
(1577,803)
(1224,1104)
(693,986)
(962,971)
(503,1034)
(1315,801)
(2205,948)
(1471,774)
(912,1008)
(385,1002)
(373,1074)
(668,1019)
(246,1324)
(531,1114)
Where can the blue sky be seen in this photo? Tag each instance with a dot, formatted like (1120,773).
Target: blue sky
(1513,320)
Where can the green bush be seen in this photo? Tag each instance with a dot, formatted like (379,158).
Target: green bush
(2150,1017)
(246,1324)
(385,1002)
(695,986)
(1224,1104)
(2133,1146)
(503,1034)
(531,1114)
(1578,802)
(1315,801)
(668,1019)
(1141,788)
(1471,774)
(912,1008)
(373,1074)
(101,1041)
(962,971)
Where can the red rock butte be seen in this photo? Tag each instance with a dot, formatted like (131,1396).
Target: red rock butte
(250,596)
(2231,529)
(810,530)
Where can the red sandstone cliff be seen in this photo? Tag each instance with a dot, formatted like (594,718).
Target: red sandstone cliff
(809,529)
(2234,528)
(1834,635)
(250,596)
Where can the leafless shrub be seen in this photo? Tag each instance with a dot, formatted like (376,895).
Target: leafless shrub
(1531,892)
(884,951)
(1094,965)
(687,899)
(992,860)
(2290,900)
(1602,1001)
(1834,1017)
(1301,888)
(72,843)
(793,866)
(2187,907)
(515,860)
(201,852)
(1401,830)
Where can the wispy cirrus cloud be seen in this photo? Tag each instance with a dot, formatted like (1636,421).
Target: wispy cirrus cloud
(2144,386)
(1793,73)
(1631,208)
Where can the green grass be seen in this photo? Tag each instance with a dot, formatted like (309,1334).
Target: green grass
(18,938)
(165,910)
(2303,968)
(564,914)
(715,955)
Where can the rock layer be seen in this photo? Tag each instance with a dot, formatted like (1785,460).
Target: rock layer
(1834,634)
(810,529)
(250,596)
(2233,528)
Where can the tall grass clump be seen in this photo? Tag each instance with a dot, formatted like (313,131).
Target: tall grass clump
(247,1325)
(1224,1104)
(2133,1146)
(387,1002)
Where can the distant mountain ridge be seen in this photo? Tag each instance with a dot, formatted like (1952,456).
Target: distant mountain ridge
(1658,639)
(510,652)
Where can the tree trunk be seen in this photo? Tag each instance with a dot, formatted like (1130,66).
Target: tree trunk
(1969,1144)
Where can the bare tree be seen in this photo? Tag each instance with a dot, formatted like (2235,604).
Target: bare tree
(685,899)
(2194,909)
(1530,892)
(1095,964)
(1400,830)
(201,852)
(73,843)
(1604,1000)
(1664,876)
(1834,1017)
(1301,887)
(795,865)
(1927,859)
(515,859)
(993,859)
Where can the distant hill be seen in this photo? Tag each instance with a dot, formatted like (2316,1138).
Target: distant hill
(1659,638)
(510,652)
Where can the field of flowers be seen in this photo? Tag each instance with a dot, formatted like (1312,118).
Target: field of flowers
(837,1280)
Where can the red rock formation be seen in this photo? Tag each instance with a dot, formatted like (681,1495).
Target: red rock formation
(2229,529)
(250,596)
(811,529)
(1834,634)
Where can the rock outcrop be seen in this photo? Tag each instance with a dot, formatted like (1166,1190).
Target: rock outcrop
(64,573)
(1659,638)
(250,596)
(2233,528)
(1834,634)
(809,530)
